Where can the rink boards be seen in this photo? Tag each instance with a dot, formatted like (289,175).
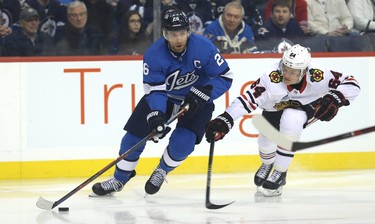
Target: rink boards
(63,117)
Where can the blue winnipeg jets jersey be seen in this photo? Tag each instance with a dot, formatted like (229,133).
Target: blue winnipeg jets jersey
(167,75)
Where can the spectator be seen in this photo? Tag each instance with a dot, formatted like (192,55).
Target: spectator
(74,38)
(145,9)
(280,26)
(329,17)
(27,40)
(101,22)
(132,39)
(199,13)
(298,9)
(52,13)
(299,12)
(363,15)
(252,16)
(9,16)
(229,32)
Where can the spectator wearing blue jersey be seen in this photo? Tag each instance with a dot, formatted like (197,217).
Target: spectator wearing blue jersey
(179,69)
(229,33)
(281,26)
(252,15)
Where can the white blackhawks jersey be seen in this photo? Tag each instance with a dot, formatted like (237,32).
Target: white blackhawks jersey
(271,94)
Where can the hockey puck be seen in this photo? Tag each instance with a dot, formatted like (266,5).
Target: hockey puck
(63,209)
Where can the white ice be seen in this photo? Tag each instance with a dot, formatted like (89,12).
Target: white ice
(345,197)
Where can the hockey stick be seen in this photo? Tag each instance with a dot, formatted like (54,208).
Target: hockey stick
(209,205)
(48,205)
(288,143)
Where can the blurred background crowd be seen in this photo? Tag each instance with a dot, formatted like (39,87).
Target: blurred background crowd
(129,27)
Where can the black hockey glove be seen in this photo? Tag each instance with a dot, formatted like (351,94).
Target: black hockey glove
(219,127)
(197,97)
(329,105)
(155,120)
(310,108)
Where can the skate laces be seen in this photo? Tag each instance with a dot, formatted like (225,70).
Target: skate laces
(264,170)
(158,177)
(112,184)
(275,176)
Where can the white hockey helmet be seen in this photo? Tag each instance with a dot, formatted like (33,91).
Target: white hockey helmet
(297,57)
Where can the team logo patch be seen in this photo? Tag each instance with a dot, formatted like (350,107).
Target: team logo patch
(275,77)
(287,104)
(316,75)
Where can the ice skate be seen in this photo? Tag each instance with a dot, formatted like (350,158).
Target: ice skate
(273,186)
(109,187)
(262,174)
(154,183)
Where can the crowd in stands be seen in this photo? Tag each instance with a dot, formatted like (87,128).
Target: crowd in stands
(126,27)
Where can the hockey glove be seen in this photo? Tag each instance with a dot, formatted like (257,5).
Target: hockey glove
(329,105)
(155,120)
(197,97)
(219,127)
(310,108)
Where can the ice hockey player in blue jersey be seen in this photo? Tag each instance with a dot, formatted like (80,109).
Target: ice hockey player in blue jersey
(178,69)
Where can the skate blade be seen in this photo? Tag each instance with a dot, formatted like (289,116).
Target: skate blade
(93,195)
(272,193)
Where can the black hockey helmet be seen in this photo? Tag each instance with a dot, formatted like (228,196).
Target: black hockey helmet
(174,20)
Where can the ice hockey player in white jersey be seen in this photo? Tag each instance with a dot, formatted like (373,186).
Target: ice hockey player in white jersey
(291,93)
(178,69)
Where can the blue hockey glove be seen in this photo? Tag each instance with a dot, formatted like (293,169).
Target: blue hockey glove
(197,97)
(156,123)
(219,127)
(329,105)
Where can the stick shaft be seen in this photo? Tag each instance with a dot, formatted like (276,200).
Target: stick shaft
(304,145)
(209,171)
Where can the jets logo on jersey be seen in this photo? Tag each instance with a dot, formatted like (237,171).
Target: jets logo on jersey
(177,81)
(275,76)
(316,75)
(48,26)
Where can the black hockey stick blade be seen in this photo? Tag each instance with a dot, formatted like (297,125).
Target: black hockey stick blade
(48,205)
(266,129)
(208,204)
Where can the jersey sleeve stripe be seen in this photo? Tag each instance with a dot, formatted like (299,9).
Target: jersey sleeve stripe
(244,105)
